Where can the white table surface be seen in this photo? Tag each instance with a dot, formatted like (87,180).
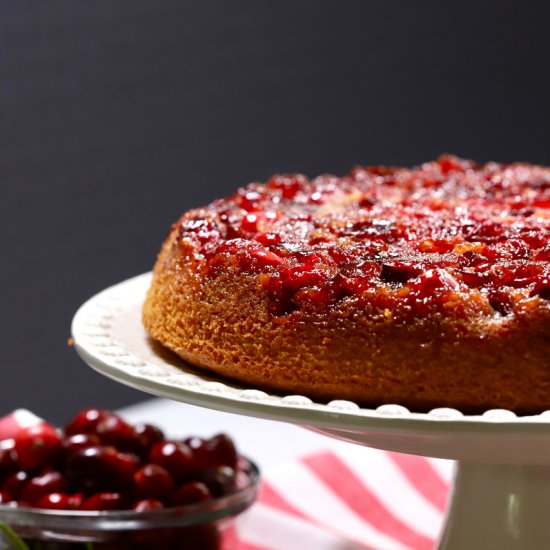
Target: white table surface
(266,442)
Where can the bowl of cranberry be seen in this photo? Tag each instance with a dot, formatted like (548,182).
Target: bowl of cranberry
(101,483)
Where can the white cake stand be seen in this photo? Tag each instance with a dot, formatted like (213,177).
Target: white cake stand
(501,492)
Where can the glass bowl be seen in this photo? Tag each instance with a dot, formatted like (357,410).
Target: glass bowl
(203,526)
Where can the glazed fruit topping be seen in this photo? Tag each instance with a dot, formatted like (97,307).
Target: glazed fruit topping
(381,233)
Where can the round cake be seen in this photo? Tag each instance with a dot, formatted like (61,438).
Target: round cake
(426,287)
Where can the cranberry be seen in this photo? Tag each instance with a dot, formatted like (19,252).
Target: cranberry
(104,501)
(195,443)
(15,482)
(449,163)
(75,500)
(269,239)
(60,501)
(430,290)
(314,298)
(220,481)
(501,302)
(153,482)
(439,246)
(489,232)
(544,254)
(250,222)
(303,275)
(37,487)
(85,421)
(266,258)
(311,260)
(523,275)
(175,457)
(432,280)
(542,288)
(7,464)
(472,259)
(114,431)
(254,221)
(249,201)
(290,184)
(535,238)
(147,435)
(366,203)
(73,443)
(147,504)
(513,249)
(36,446)
(216,451)
(399,272)
(350,286)
(542,203)
(191,493)
(101,468)
(476,279)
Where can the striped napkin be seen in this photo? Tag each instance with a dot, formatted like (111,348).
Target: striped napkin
(12,423)
(349,499)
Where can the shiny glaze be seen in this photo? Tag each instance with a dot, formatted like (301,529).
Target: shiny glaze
(450,233)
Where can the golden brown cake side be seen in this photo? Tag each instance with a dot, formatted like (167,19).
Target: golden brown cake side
(457,349)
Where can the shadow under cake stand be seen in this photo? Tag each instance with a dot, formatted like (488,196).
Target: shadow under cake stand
(501,491)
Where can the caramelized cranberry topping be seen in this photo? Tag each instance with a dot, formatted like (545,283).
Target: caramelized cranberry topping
(448,232)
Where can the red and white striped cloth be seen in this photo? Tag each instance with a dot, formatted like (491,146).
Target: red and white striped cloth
(352,498)
(349,499)
(12,423)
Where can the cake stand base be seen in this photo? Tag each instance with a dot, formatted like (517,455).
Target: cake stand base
(501,506)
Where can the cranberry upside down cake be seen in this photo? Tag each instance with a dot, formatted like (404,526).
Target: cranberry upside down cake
(427,287)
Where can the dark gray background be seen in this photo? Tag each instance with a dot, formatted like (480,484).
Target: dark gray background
(117,116)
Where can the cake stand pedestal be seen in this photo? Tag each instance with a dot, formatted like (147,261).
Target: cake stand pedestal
(501,492)
(498,506)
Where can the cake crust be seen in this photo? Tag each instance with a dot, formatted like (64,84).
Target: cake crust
(376,288)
